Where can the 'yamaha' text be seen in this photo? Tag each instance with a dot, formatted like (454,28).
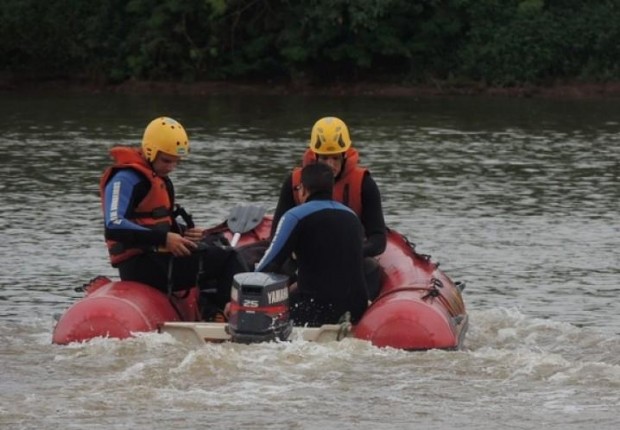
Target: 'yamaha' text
(277,296)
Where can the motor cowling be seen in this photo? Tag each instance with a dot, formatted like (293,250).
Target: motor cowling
(259,308)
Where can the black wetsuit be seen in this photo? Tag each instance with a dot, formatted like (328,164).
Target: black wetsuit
(326,237)
(371,217)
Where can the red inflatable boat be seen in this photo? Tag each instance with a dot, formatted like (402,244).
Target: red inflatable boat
(419,307)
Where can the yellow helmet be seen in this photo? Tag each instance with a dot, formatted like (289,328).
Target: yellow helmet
(330,135)
(166,135)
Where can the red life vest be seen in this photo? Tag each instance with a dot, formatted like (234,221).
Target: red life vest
(154,211)
(348,187)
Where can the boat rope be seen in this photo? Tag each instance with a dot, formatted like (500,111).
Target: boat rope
(433,291)
(412,246)
(343,331)
(345,326)
(171,295)
(84,287)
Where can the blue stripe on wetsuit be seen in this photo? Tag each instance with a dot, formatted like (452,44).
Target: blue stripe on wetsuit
(289,222)
(118,193)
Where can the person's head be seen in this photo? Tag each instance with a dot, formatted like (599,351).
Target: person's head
(329,141)
(163,144)
(316,178)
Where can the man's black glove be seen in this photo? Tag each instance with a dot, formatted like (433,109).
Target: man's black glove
(213,239)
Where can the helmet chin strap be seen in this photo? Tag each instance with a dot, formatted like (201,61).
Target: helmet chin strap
(344,162)
(150,163)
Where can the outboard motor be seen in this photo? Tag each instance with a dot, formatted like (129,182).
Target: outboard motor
(259,309)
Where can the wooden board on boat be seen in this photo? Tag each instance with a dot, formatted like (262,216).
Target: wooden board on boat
(199,333)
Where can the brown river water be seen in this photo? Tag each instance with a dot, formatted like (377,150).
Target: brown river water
(519,198)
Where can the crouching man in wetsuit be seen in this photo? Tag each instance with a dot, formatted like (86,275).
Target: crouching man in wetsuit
(144,240)
(326,238)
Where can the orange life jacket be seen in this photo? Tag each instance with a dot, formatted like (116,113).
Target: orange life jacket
(348,187)
(154,211)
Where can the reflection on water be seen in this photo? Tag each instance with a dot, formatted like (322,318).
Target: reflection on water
(519,198)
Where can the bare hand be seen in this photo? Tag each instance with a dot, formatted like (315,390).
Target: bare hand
(178,245)
(194,234)
(292,288)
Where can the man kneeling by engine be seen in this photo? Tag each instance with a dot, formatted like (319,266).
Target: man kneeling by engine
(326,239)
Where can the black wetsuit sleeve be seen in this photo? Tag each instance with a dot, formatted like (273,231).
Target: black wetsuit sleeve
(281,246)
(285,202)
(372,218)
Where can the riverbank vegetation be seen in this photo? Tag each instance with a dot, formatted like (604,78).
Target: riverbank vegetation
(431,43)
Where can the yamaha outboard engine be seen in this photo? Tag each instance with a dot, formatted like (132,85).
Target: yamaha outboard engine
(259,310)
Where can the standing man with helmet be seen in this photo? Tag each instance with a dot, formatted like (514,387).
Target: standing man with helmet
(144,240)
(330,144)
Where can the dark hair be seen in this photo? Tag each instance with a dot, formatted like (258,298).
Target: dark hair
(317,177)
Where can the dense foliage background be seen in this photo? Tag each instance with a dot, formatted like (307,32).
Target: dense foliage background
(492,42)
